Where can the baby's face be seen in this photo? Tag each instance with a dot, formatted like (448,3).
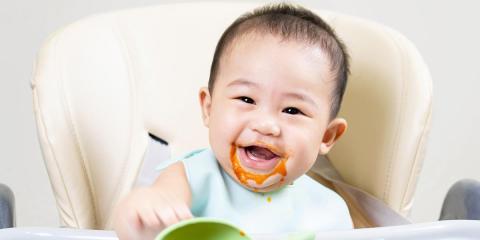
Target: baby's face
(268,116)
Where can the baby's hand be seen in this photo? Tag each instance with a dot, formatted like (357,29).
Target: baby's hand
(145,212)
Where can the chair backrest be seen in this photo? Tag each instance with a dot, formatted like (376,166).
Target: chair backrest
(103,83)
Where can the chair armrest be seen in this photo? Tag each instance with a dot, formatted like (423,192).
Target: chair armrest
(462,201)
(7,207)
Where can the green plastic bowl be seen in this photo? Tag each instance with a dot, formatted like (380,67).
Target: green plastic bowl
(202,229)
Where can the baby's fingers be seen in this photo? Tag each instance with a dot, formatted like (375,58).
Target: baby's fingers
(128,225)
(183,212)
(149,219)
(167,216)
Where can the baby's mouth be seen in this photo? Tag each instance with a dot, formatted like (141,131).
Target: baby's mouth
(258,158)
(258,166)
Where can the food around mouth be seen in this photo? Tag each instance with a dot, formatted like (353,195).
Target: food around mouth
(261,159)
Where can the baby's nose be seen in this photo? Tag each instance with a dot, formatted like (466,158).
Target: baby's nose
(266,126)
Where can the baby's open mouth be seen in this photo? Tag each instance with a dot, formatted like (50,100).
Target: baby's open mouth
(260,153)
(258,166)
(258,158)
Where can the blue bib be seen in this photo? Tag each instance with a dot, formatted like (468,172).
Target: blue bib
(305,205)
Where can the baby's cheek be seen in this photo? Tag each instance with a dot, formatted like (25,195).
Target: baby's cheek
(228,128)
(295,169)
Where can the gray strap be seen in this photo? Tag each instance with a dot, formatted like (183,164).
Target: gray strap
(462,201)
(7,207)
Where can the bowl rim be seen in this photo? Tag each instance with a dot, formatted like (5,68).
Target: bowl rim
(198,220)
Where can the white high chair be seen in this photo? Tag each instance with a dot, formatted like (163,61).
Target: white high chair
(103,83)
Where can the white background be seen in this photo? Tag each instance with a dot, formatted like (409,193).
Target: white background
(445,32)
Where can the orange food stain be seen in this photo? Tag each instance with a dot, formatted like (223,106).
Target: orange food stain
(244,175)
(242,233)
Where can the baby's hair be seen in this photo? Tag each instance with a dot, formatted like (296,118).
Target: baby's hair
(290,23)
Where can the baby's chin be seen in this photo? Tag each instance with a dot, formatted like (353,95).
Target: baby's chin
(272,183)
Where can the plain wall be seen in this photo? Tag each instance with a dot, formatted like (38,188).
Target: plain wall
(445,33)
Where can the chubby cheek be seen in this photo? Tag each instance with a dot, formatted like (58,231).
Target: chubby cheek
(224,129)
(224,125)
(304,147)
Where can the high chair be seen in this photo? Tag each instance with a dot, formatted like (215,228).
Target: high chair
(103,83)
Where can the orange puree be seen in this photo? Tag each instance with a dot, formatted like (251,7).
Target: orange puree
(244,175)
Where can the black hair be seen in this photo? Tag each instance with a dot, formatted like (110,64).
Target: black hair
(291,23)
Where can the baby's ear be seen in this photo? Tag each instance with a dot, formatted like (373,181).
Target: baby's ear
(205,104)
(335,129)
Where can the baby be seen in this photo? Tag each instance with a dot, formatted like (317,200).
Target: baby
(276,84)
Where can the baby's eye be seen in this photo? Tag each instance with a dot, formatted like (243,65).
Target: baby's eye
(292,110)
(246,100)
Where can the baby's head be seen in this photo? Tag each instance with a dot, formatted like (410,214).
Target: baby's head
(276,84)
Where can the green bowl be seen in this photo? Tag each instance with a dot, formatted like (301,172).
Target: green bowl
(202,229)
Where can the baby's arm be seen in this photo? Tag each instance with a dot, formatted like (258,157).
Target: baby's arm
(144,212)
